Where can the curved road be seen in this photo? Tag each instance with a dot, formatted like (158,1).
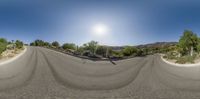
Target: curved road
(45,74)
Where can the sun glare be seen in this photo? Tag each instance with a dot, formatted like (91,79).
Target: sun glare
(100,29)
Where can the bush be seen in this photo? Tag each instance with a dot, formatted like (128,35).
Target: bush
(19,44)
(171,55)
(3,44)
(32,44)
(186,59)
(117,54)
(129,51)
(69,46)
(55,44)
(140,52)
(2,47)
(101,50)
(11,46)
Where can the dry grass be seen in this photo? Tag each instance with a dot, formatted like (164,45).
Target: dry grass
(10,53)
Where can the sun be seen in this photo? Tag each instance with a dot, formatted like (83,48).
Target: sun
(100,29)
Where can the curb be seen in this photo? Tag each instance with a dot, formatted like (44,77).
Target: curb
(180,65)
(14,58)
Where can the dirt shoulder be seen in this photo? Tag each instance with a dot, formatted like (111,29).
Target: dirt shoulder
(10,55)
(173,62)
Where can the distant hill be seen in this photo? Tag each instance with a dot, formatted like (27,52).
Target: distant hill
(151,45)
(157,44)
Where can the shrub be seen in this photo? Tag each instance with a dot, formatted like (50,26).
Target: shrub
(117,54)
(3,44)
(55,44)
(91,46)
(32,44)
(19,44)
(11,46)
(140,52)
(69,46)
(171,55)
(186,59)
(128,51)
(101,50)
(2,47)
(2,40)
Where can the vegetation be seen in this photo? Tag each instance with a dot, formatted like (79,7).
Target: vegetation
(102,50)
(188,43)
(3,44)
(19,44)
(129,51)
(91,46)
(55,44)
(187,49)
(93,49)
(117,54)
(68,46)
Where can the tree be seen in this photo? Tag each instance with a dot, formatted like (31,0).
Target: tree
(101,50)
(3,40)
(140,52)
(69,46)
(117,54)
(47,44)
(3,44)
(128,51)
(19,44)
(32,44)
(80,50)
(91,46)
(146,51)
(38,42)
(55,44)
(188,42)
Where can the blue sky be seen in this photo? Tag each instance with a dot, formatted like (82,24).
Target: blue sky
(130,22)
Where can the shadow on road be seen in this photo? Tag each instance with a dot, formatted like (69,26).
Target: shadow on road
(111,61)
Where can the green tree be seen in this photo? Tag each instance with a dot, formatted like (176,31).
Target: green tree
(80,50)
(140,52)
(198,46)
(118,54)
(101,50)
(47,44)
(146,51)
(188,42)
(91,46)
(3,44)
(19,44)
(129,50)
(32,44)
(39,42)
(55,44)
(69,46)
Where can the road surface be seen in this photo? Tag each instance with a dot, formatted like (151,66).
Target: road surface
(45,74)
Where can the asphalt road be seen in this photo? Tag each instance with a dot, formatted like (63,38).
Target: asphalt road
(45,74)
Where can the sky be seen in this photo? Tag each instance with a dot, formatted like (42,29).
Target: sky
(128,22)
